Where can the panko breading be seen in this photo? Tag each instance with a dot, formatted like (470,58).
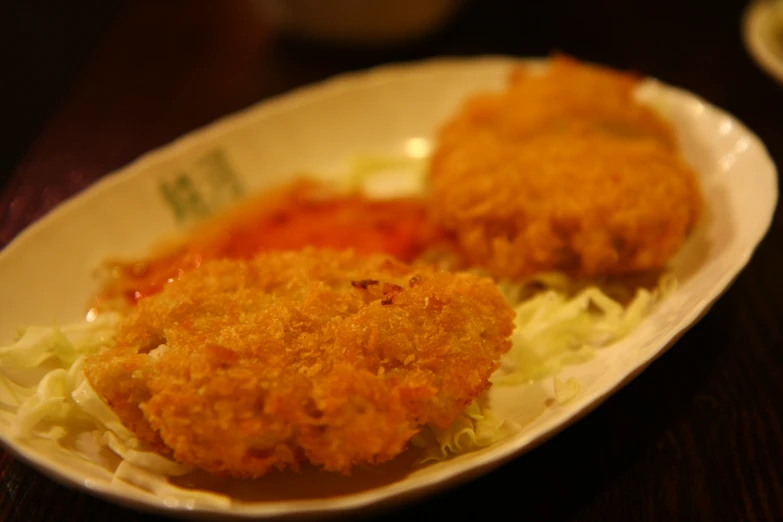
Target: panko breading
(567,96)
(315,356)
(561,189)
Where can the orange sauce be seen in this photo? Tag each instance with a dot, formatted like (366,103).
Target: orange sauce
(298,215)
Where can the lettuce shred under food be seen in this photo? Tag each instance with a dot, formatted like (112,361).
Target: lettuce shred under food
(382,176)
(477,428)
(42,371)
(558,326)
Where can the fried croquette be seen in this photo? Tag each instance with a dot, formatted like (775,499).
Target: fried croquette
(313,356)
(583,205)
(567,96)
(560,189)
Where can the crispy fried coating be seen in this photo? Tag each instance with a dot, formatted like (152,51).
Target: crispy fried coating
(568,174)
(568,96)
(314,356)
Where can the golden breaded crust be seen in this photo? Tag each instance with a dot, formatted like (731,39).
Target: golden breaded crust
(585,205)
(555,187)
(310,356)
(568,96)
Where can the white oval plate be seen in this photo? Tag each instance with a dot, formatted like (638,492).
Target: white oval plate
(46,273)
(762,31)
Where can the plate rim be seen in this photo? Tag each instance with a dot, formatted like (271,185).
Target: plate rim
(420,485)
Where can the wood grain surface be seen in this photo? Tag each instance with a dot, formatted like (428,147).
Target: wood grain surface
(697,436)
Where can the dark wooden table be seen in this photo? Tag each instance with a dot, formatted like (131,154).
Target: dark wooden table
(698,436)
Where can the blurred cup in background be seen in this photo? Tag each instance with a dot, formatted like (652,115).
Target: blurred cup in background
(358,22)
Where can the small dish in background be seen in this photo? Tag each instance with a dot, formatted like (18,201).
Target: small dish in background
(358,22)
(762,30)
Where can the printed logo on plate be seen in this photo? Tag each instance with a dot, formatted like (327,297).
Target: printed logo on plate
(205,186)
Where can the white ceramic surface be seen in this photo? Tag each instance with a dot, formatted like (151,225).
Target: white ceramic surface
(47,272)
(762,31)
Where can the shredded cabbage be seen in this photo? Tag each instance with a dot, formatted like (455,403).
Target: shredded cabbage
(477,428)
(63,403)
(382,176)
(555,329)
